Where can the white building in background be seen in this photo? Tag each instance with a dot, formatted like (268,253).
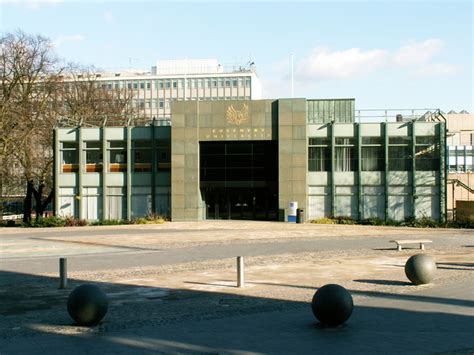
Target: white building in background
(460,140)
(183,80)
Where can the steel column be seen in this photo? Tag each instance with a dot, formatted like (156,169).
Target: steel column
(105,165)
(442,181)
(129,173)
(386,180)
(56,170)
(359,172)
(413,169)
(333,160)
(153,167)
(80,172)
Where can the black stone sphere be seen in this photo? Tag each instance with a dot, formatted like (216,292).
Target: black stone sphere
(87,304)
(420,269)
(332,305)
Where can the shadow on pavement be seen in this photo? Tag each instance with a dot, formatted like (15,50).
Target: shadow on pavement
(145,319)
(385,282)
(456,266)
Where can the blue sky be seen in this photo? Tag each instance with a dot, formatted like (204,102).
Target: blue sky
(385,54)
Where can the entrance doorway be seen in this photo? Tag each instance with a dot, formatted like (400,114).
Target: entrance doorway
(239,180)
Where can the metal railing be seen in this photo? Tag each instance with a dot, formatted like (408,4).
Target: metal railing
(398,115)
(114,121)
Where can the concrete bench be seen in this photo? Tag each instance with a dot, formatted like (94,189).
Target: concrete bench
(411,241)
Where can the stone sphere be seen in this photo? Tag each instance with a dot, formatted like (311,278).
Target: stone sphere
(87,304)
(332,305)
(420,269)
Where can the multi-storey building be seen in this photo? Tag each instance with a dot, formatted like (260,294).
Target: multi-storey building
(183,80)
(251,159)
(460,139)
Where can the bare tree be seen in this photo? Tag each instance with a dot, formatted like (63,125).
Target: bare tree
(30,78)
(36,93)
(91,102)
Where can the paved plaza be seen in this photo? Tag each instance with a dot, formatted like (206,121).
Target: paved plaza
(172,289)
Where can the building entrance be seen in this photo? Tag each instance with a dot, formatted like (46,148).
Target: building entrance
(239,179)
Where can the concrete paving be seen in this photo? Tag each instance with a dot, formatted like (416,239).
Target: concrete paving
(178,295)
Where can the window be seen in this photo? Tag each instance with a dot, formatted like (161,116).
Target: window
(227,83)
(93,155)
(175,84)
(319,154)
(344,150)
(148,85)
(234,83)
(247,83)
(129,86)
(69,157)
(161,103)
(163,155)
(117,151)
(160,84)
(372,158)
(214,83)
(168,84)
(469,163)
(135,85)
(399,153)
(141,155)
(426,153)
(142,85)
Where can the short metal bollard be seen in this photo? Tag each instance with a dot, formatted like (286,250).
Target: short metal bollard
(62,272)
(240,272)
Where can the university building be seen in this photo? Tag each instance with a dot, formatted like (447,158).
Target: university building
(249,159)
(181,80)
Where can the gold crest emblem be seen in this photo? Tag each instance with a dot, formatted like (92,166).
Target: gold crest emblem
(237,117)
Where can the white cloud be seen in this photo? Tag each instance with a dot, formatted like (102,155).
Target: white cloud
(71,38)
(437,69)
(416,53)
(108,17)
(346,64)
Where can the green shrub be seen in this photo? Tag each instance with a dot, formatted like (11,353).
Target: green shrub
(155,218)
(109,222)
(374,221)
(423,222)
(344,220)
(459,224)
(323,220)
(43,222)
(140,220)
(75,222)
